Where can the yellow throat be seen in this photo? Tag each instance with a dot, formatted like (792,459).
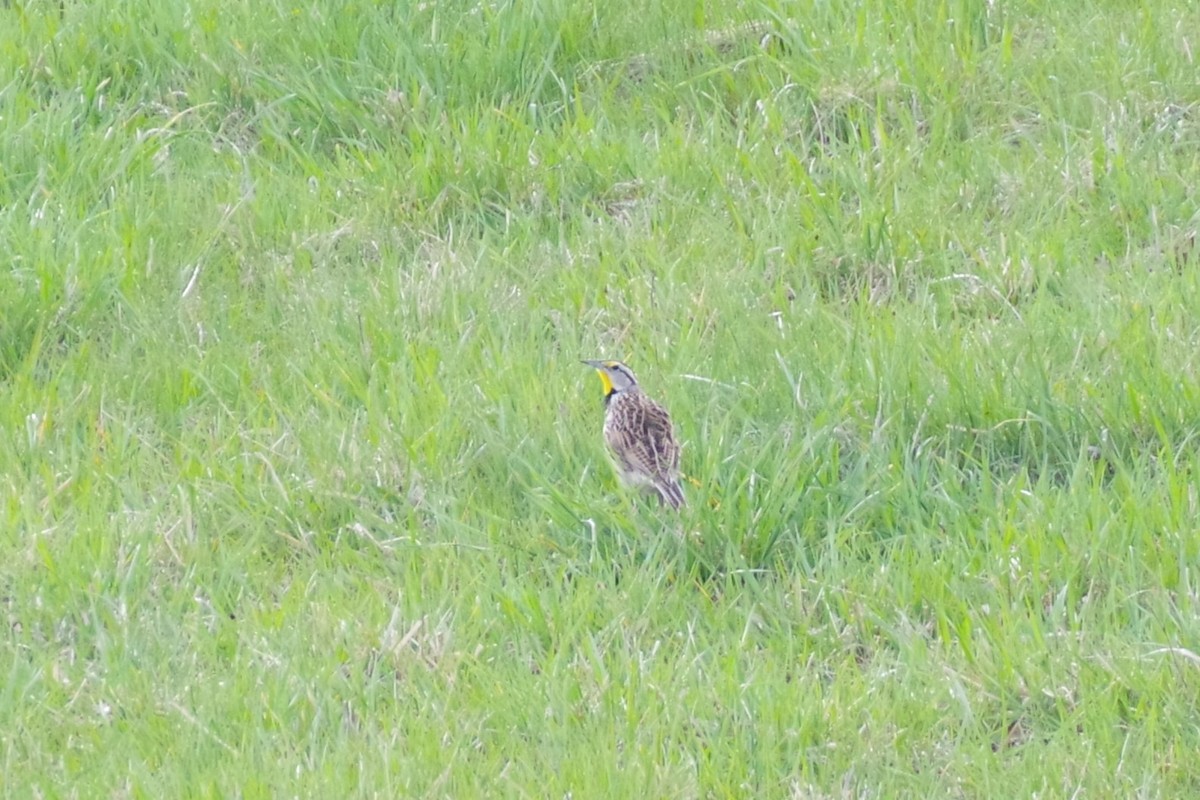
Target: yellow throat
(607,381)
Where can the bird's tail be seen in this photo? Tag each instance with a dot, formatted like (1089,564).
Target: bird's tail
(671,493)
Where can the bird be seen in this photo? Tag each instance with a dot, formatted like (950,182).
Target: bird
(639,434)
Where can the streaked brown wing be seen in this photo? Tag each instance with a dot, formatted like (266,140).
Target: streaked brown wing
(659,450)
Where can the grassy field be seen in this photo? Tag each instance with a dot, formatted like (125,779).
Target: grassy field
(302,491)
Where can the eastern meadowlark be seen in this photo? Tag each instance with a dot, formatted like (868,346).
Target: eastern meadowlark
(639,434)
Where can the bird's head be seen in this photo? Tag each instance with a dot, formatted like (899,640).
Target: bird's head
(615,376)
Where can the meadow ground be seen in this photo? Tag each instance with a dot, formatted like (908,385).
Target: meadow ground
(302,491)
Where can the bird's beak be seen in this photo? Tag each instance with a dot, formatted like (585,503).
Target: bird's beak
(602,371)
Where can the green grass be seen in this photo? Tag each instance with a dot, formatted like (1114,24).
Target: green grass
(302,491)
